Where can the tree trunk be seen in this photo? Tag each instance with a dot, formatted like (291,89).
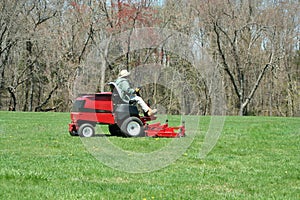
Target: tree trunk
(104,63)
(13,104)
(2,82)
(40,107)
(245,102)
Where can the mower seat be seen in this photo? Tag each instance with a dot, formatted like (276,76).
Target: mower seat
(123,108)
(116,95)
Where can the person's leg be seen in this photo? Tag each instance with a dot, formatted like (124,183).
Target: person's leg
(144,106)
(142,103)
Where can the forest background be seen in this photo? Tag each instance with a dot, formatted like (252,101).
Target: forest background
(45,47)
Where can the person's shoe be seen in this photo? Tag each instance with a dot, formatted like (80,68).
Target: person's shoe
(151,112)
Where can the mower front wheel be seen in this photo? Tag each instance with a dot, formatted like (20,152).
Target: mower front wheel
(115,130)
(73,133)
(133,127)
(86,130)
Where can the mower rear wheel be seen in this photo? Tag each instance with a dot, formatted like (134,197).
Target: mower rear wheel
(133,127)
(86,130)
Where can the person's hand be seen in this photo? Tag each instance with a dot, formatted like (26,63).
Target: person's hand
(137,89)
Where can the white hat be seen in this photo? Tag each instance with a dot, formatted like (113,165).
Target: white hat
(124,73)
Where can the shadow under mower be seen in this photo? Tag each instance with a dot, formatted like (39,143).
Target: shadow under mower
(122,117)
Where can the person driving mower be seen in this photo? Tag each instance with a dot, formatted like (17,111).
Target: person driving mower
(128,93)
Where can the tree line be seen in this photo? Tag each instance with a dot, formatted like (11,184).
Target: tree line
(48,51)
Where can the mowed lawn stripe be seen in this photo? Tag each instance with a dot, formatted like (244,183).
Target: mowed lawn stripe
(254,158)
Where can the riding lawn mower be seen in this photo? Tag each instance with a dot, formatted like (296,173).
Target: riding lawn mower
(122,117)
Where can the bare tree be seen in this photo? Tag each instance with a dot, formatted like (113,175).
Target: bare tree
(243,38)
(9,36)
(48,48)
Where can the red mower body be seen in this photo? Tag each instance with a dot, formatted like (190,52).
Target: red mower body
(92,109)
(122,118)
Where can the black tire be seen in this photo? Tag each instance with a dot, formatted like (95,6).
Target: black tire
(73,133)
(115,130)
(86,130)
(133,127)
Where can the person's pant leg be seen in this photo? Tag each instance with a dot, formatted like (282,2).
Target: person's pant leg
(142,103)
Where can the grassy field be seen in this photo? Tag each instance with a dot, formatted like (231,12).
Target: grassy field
(255,158)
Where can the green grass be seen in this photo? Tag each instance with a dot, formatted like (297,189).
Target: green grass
(255,158)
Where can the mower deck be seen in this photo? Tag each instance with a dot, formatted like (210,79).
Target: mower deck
(163,130)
